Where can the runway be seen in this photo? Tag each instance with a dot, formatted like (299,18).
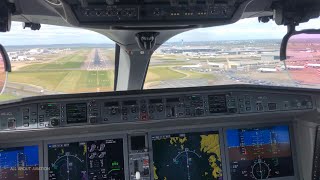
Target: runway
(97,62)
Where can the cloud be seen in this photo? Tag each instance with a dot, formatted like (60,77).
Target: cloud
(241,30)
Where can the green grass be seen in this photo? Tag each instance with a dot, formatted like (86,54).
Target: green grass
(48,80)
(83,81)
(7,97)
(67,81)
(72,61)
(165,73)
(162,73)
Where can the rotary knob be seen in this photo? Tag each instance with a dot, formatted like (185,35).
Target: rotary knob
(54,122)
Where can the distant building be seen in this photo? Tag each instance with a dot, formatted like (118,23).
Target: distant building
(31,58)
(275,56)
(22,58)
(36,51)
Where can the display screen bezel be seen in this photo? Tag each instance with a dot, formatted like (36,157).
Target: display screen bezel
(83,120)
(292,147)
(23,144)
(194,130)
(83,139)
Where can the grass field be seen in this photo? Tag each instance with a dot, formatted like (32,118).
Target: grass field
(7,97)
(165,73)
(72,61)
(67,81)
(162,73)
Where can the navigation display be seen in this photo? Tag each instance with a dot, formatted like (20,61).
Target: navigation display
(259,153)
(102,159)
(76,113)
(187,156)
(19,163)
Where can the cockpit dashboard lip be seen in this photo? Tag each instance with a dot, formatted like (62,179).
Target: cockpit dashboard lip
(151,92)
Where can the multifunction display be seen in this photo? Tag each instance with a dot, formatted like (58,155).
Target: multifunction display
(19,163)
(76,113)
(259,153)
(94,160)
(187,156)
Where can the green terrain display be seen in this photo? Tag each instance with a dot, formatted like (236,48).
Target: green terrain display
(191,156)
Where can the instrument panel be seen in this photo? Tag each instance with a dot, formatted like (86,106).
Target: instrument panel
(110,109)
(260,152)
(98,159)
(182,134)
(118,12)
(19,163)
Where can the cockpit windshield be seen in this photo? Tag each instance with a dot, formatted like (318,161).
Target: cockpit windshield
(60,60)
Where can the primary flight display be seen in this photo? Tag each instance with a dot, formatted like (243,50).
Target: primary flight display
(19,163)
(260,153)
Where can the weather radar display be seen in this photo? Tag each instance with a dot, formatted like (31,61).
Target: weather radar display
(190,156)
(19,163)
(90,160)
(259,153)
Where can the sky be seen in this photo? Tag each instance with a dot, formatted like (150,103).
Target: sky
(241,30)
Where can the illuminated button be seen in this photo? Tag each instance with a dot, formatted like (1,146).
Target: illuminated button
(138,175)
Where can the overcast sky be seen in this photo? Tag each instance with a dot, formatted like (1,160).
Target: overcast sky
(243,29)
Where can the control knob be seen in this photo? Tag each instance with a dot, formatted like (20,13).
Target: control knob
(54,122)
